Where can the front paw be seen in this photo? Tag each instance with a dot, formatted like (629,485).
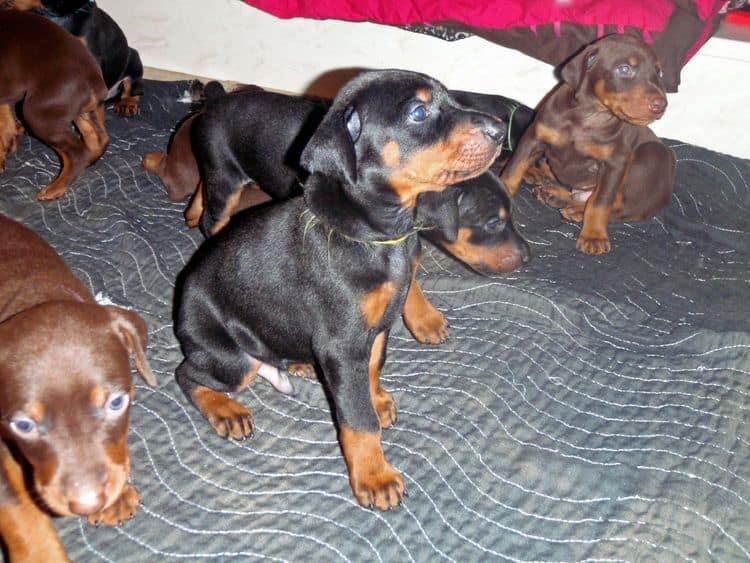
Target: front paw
(573,212)
(431,327)
(593,245)
(383,488)
(127,107)
(120,510)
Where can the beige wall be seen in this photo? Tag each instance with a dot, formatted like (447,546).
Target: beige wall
(228,39)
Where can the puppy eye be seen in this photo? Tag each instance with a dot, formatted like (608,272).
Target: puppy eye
(116,404)
(625,71)
(419,113)
(494,225)
(23,426)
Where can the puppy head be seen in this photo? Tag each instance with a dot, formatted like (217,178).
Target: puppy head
(623,74)
(67,391)
(472,222)
(401,131)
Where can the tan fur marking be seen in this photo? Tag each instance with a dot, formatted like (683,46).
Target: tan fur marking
(423,320)
(382,400)
(374,481)
(195,209)
(498,259)
(549,135)
(424,94)
(374,303)
(35,410)
(465,153)
(391,154)
(598,151)
(229,208)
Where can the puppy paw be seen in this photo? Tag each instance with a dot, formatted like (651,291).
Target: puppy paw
(382,487)
(127,106)
(54,191)
(552,195)
(303,370)
(573,212)
(122,509)
(428,327)
(228,417)
(385,407)
(591,245)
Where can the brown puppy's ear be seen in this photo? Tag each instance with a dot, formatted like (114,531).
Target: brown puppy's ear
(330,151)
(575,69)
(132,331)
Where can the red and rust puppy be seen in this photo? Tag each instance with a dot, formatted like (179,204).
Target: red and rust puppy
(66,394)
(600,160)
(61,87)
(121,65)
(321,278)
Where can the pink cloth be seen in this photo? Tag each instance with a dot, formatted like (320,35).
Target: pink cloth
(651,15)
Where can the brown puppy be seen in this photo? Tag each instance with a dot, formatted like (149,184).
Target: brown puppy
(61,86)
(66,391)
(602,161)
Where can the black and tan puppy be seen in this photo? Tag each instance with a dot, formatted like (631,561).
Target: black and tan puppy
(62,93)
(589,145)
(121,64)
(65,401)
(321,279)
(252,137)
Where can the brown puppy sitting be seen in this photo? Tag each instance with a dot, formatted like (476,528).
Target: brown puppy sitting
(61,86)
(591,150)
(65,401)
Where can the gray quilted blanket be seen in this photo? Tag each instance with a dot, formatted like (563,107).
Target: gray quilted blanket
(584,408)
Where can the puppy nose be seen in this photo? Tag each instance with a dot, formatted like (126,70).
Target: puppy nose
(492,127)
(657,104)
(85,500)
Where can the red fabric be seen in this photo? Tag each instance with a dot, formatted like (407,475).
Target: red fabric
(651,15)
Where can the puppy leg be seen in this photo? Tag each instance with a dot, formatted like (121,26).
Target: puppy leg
(373,479)
(228,417)
(91,126)
(26,532)
(648,186)
(528,152)
(424,321)
(132,86)
(53,125)
(194,211)
(9,130)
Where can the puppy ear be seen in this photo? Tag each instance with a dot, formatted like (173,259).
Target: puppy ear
(575,69)
(330,151)
(439,210)
(132,332)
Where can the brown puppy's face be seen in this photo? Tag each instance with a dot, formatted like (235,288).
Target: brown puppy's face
(402,130)
(67,391)
(624,75)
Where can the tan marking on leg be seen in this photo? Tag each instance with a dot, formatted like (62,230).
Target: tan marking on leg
(228,417)
(228,211)
(374,303)
(195,209)
(594,238)
(374,481)
(424,321)
(382,400)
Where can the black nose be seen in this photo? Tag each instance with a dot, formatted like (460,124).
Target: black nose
(657,104)
(494,128)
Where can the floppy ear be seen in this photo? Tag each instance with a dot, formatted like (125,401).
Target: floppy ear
(574,70)
(330,151)
(132,332)
(439,210)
